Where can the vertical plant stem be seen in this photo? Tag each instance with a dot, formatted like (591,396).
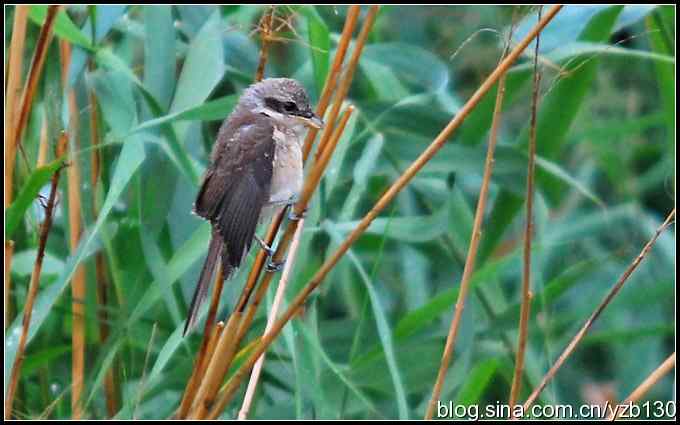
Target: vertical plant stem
(74,211)
(469,267)
(34,284)
(42,149)
(202,358)
(600,308)
(346,82)
(528,234)
(331,81)
(232,385)
(111,390)
(33,76)
(217,367)
(265,34)
(13,87)
(14,74)
(646,385)
(278,299)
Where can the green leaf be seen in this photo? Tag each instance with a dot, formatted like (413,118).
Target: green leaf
(557,112)
(63,26)
(406,229)
(383,326)
(661,25)
(129,160)
(214,110)
(159,54)
(319,45)
(315,344)
(419,318)
(477,382)
(28,193)
(202,71)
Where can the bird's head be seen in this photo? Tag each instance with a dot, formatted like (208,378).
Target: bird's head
(282,99)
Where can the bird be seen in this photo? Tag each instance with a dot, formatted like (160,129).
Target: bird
(255,170)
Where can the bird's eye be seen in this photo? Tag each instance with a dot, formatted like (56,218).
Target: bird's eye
(289,106)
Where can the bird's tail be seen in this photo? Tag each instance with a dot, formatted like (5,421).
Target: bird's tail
(203,281)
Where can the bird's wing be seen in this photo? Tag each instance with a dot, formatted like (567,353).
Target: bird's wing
(236,185)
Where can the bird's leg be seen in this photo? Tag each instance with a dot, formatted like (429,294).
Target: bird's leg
(271,266)
(295,217)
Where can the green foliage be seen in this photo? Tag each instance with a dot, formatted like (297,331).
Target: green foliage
(370,340)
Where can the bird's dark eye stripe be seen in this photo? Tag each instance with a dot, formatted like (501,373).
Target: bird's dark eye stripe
(279,106)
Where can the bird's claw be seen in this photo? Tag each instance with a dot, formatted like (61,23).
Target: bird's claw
(274,266)
(292,216)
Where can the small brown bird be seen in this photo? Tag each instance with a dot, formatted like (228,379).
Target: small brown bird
(255,170)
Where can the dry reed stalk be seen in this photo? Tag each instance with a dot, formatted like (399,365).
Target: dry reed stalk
(31,85)
(278,300)
(469,267)
(266,36)
(232,385)
(111,391)
(516,386)
(331,80)
(346,82)
(201,360)
(217,366)
(646,385)
(75,229)
(600,308)
(13,88)
(311,182)
(42,148)
(35,282)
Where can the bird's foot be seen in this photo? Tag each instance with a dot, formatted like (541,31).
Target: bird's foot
(274,266)
(266,248)
(292,216)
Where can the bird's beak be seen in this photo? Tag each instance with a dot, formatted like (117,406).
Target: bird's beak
(312,121)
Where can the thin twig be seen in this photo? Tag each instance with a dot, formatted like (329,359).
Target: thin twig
(646,385)
(34,75)
(278,299)
(600,308)
(35,283)
(14,74)
(331,81)
(528,234)
(234,382)
(266,32)
(346,82)
(469,267)
(201,361)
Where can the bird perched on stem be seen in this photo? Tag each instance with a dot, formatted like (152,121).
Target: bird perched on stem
(255,170)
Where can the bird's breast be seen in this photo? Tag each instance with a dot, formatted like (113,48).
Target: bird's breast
(287,170)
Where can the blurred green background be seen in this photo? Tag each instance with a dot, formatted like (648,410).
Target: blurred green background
(370,340)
